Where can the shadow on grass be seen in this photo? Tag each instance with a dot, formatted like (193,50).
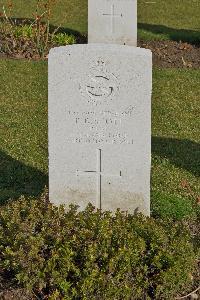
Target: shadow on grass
(81,38)
(189,36)
(184,154)
(17,179)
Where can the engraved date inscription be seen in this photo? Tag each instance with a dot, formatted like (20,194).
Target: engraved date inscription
(100,137)
(99,126)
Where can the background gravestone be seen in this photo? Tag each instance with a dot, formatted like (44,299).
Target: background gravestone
(112,22)
(100,127)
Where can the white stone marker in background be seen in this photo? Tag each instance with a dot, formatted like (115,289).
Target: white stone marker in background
(100,126)
(112,22)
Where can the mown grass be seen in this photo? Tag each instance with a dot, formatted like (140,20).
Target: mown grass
(173,20)
(175,129)
(23,128)
(159,19)
(175,140)
(175,134)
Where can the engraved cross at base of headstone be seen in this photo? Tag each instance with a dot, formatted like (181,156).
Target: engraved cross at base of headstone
(98,172)
(112,15)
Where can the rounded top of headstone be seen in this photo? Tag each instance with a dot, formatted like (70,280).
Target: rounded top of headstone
(103,47)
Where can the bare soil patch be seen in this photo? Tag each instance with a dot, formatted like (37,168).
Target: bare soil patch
(166,54)
(171,54)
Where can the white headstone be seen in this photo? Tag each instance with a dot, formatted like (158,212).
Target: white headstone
(112,22)
(100,126)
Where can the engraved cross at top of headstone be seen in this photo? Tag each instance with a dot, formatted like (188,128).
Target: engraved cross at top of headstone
(122,28)
(98,172)
(112,15)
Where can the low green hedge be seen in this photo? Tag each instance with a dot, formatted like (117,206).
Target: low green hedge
(65,254)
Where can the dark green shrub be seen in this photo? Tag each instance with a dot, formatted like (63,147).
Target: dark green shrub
(89,255)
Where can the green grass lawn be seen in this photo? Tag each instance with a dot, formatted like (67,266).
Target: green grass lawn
(159,19)
(23,128)
(175,133)
(175,140)
(171,19)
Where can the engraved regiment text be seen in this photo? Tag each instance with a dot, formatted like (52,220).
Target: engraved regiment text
(92,127)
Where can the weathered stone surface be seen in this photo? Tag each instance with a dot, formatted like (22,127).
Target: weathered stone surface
(112,22)
(100,126)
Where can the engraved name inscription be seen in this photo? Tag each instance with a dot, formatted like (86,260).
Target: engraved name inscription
(94,119)
(99,126)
